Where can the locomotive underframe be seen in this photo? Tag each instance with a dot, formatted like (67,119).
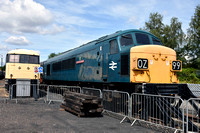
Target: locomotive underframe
(145,88)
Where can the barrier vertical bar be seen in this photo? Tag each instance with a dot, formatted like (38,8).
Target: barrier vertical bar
(48,93)
(10,91)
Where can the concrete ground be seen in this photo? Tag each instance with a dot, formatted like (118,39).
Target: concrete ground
(38,117)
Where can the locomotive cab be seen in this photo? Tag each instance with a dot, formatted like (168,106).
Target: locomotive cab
(149,61)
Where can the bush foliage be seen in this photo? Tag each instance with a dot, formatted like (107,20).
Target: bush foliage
(189,75)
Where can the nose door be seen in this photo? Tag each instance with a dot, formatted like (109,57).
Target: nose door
(152,64)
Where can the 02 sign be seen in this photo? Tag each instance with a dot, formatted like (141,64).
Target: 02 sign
(142,63)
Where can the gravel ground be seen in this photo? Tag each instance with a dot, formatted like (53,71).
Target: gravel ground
(37,116)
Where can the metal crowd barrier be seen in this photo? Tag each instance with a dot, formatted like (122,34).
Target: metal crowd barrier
(42,92)
(23,91)
(117,102)
(193,115)
(92,92)
(162,111)
(50,93)
(55,93)
(76,89)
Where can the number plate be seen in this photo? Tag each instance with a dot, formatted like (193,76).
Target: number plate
(176,65)
(142,63)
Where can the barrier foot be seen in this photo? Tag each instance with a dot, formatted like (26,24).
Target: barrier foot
(133,122)
(5,100)
(50,102)
(105,111)
(124,119)
(45,101)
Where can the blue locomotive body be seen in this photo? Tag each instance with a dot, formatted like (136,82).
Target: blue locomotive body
(105,60)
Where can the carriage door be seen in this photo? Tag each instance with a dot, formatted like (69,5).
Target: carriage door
(23,88)
(105,50)
(113,61)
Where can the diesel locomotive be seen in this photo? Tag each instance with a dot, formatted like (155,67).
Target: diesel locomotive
(124,61)
(20,64)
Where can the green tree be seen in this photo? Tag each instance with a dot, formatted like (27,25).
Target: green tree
(193,39)
(155,25)
(53,55)
(173,35)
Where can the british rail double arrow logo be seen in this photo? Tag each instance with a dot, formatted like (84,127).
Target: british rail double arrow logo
(113,65)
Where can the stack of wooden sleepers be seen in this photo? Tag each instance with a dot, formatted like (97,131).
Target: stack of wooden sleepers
(81,104)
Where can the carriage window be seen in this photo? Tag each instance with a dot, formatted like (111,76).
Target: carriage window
(156,41)
(14,58)
(24,59)
(113,47)
(69,64)
(142,38)
(57,66)
(34,59)
(126,40)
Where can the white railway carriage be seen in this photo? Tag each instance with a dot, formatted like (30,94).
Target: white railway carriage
(20,64)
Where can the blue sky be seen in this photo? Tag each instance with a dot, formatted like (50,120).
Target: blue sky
(51,26)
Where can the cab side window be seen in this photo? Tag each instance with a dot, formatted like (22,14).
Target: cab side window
(113,47)
(142,38)
(126,40)
(156,41)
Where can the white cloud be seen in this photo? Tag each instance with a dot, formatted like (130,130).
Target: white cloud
(4,47)
(24,16)
(53,29)
(21,41)
(133,20)
(132,13)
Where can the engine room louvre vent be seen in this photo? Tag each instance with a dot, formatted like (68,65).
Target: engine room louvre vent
(124,65)
(48,69)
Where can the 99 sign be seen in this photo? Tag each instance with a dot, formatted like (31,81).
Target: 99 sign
(176,65)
